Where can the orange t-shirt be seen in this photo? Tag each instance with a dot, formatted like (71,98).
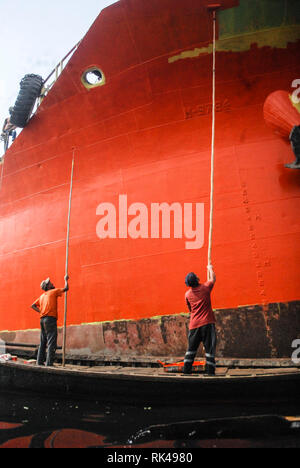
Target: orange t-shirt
(47,302)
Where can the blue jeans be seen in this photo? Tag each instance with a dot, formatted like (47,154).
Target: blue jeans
(48,339)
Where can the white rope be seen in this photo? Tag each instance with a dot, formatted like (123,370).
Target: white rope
(67,264)
(212,142)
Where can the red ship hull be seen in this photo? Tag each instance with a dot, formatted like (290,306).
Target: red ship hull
(146,133)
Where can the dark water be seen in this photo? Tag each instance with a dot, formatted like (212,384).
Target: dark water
(35,422)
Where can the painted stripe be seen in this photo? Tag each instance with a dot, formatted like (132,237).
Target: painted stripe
(210,364)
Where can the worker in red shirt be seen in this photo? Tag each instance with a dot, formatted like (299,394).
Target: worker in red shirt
(46,306)
(202,321)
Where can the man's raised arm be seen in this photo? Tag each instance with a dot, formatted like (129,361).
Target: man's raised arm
(211,276)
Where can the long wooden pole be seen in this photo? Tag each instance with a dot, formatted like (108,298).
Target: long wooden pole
(67,266)
(212,141)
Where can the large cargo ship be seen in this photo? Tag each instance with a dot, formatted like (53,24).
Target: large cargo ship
(133,106)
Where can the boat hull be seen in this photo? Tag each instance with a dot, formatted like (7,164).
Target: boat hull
(245,332)
(144,137)
(124,386)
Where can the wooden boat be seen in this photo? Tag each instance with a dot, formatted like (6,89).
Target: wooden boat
(141,133)
(132,384)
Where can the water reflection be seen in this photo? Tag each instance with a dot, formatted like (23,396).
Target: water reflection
(34,421)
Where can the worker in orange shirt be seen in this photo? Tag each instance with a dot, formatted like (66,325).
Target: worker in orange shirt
(46,306)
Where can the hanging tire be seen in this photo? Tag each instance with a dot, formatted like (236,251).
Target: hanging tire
(30,90)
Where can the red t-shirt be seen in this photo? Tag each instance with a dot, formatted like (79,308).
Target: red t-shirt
(200,305)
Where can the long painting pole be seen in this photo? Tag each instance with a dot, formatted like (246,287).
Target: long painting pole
(213,8)
(67,265)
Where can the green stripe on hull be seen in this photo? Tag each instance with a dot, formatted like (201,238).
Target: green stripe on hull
(255,15)
(267,23)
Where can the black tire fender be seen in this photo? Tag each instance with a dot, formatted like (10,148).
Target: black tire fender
(30,90)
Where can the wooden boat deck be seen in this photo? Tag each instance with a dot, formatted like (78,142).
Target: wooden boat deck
(160,373)
(132,384)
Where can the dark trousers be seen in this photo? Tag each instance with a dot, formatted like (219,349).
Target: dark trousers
(48,339)
(206,335)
